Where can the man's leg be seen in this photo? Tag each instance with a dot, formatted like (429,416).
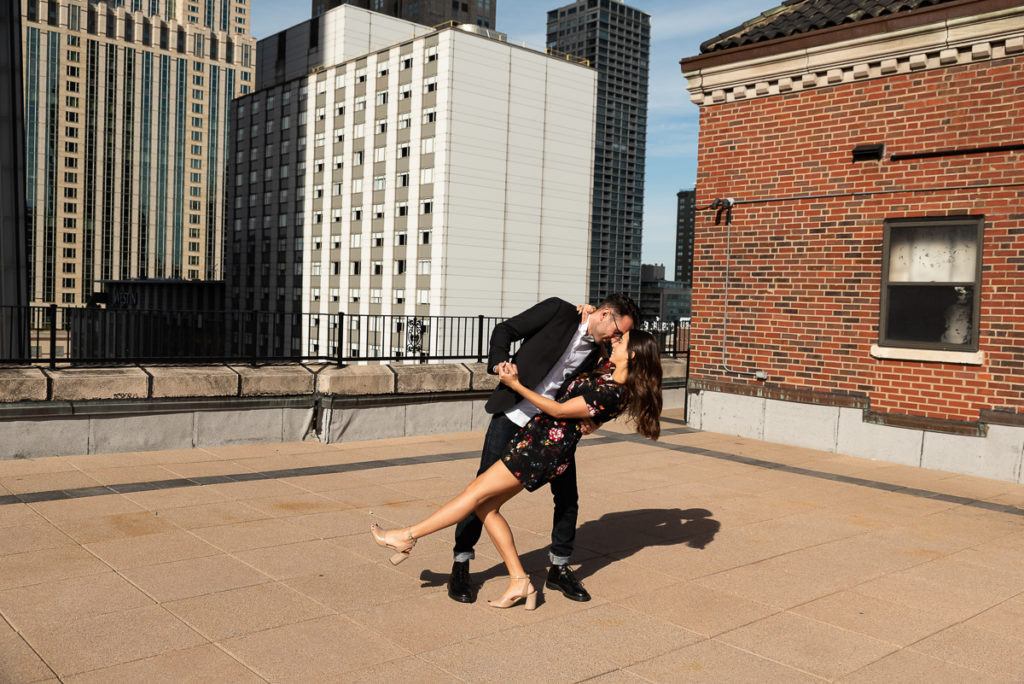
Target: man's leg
(563,533)
(467,533)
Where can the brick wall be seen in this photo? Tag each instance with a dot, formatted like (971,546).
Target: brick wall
(805,273)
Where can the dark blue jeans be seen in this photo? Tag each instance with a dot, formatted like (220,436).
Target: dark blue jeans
(500,432)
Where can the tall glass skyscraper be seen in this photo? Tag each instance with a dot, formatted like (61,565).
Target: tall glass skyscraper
(126,136)
(616,39)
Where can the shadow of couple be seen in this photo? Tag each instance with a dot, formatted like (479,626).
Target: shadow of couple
(613,537)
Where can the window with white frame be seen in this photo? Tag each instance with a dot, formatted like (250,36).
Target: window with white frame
(378,211)
(430,85)
(429,115)
(399,296)
(931,283)
(422,296)
(378,182)
(427,206)
(399,266)
(426,176)
(401,208)
(353,296)
(382,97)
(357,213)
(379,154)
(402,179)
(423,267)
(424,237)
(377,239)
(375,296)
(359,104)
(431,53)
(381,126)
(404,121)
(353,268)
(427,146)
(356,240)
(377,268)
(400,238)
(335,294)
(405,91)
(361,75)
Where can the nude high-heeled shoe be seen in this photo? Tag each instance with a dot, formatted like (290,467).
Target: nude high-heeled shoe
(528,593)
(403,548)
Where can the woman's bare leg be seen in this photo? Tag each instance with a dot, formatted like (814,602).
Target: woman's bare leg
(495,481)
(501,535)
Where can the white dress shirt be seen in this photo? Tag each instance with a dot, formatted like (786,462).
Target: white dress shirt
(578,350)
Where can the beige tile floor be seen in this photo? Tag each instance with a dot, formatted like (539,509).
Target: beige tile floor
(710,558)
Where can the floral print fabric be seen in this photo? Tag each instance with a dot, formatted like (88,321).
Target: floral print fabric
(545,447)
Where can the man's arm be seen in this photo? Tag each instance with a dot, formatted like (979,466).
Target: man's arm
(520,327)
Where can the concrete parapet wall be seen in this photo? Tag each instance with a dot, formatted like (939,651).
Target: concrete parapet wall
(998,453)
(65,411)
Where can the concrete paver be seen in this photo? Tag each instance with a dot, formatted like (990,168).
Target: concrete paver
(710,558)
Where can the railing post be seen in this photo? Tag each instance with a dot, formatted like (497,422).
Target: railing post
(53,336)
(480,339)
(341,340)
(254,327)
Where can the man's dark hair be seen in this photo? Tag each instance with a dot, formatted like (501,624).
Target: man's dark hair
(621,304)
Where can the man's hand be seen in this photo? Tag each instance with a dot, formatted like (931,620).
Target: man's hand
(585,310)
(588,426)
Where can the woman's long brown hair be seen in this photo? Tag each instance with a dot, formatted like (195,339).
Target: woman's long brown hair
(644,383)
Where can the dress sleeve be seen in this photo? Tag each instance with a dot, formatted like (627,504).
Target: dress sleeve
(605,401)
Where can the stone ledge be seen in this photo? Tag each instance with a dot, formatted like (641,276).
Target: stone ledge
(355,380)
(431,378)
(22,384)
(479,378)
(673,368)
(269,381)
(75,384)
(208,381)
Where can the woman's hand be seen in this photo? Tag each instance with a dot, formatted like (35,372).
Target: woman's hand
(508,374)
(585,310)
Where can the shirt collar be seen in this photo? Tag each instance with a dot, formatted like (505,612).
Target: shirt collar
(584,335)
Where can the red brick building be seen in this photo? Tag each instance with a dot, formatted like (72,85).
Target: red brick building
(874,303)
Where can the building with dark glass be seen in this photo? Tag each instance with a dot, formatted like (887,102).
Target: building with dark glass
(616,40)
(13,262)
(126,138)
(686,220)
(428,12)
(660,299)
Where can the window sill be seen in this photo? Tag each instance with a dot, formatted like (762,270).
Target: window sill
(931,355)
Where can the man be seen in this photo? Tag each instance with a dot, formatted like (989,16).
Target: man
(556,347)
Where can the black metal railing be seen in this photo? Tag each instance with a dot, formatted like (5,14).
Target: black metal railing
(88,336)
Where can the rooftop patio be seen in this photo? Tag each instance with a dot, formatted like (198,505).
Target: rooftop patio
(710,558)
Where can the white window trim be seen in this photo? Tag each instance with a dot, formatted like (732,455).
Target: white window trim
(929,355)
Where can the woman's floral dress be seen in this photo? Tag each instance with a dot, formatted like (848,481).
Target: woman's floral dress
(545,446)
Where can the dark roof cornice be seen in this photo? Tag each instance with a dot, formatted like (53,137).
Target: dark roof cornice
(835,34)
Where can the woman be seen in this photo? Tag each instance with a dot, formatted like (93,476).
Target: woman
(630,381)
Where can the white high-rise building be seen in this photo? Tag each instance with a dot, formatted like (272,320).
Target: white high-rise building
(383,167)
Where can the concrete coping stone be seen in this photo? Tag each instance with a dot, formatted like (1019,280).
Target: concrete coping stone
(187,381)
(356,380)
(673,368)
(22,384)
(267,381)
(76,384)
(479,378)
(431,378)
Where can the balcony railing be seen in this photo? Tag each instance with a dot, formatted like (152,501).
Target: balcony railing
(95,336)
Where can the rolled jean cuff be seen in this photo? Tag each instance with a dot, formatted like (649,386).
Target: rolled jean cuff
(558,560)
(464,556)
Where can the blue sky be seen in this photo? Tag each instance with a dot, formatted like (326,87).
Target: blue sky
(677,29)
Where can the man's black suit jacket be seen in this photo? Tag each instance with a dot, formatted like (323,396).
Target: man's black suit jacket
(546,329)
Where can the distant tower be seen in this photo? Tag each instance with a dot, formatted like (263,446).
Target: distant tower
(126,138)
(427,12)
(617,40)
(686,219)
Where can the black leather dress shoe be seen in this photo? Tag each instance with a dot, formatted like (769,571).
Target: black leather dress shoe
(459,588)
(560,577)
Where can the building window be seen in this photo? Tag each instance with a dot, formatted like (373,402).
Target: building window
(931,283)
(400,238)
(399,296)
(427,206)
(423,296)
(353,296)
(399,266)
(353,268)
(426,176)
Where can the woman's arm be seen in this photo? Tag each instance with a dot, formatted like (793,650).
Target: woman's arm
(573,408)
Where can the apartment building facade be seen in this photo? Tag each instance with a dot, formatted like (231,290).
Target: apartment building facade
(437,173)
(686,222)
(616,40)
(126,129)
